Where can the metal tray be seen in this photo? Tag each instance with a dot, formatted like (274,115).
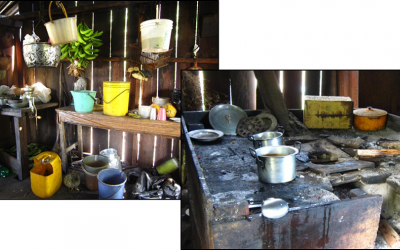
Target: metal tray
(225,117)
(205,135)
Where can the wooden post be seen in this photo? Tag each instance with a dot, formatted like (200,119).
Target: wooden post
(18,58)
(329,85)
(80,141)
(348,85)
(63,147)
(292,88)
(272,96)
(243,89)
(312,82)
(21,138)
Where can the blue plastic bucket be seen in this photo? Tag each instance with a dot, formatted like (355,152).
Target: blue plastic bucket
(83,100)
(111,183)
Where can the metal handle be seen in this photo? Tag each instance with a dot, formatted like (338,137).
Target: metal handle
(251,138)
(254,154)
(280,129)
(92,97)
(299,143)
(60,5)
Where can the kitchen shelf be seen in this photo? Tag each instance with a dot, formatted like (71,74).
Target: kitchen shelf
(97,119)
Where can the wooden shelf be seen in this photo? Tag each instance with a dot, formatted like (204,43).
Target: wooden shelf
(97,119)
(19,112)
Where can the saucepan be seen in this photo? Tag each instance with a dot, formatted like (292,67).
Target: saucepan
(276,164)
(268,138)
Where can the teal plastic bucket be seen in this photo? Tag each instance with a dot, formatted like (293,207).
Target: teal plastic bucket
(111,183)
(83,100)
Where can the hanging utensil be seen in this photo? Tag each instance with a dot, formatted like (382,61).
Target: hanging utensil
(195,50)
(272,208)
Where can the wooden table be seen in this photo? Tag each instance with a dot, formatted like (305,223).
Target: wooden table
(20,164)
(97,119)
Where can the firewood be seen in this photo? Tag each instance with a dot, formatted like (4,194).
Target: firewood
(389,234)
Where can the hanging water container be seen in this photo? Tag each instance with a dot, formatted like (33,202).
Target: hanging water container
(156,35)
(63,30)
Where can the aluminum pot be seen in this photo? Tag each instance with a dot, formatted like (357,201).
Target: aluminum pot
(268,138)
(276,164)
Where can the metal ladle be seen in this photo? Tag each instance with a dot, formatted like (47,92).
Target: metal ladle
(273,208)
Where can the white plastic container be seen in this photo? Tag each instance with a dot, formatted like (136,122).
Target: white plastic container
(62,31)
(156,35)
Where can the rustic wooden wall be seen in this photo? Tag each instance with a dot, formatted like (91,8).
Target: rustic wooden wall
(144,150)
(380,89)
(360,86)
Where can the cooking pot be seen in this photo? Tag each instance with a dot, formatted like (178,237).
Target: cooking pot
(276,164)
(369,119)
(268,138)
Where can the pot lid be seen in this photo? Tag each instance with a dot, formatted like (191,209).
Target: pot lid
(370,112)
(225,117)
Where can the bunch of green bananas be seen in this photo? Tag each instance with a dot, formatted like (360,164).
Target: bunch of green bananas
(81,50)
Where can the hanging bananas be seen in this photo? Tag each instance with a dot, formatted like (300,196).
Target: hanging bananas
(82,50)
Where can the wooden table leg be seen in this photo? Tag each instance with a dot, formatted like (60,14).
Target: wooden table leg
(21,138)
(80,141)
(63,147)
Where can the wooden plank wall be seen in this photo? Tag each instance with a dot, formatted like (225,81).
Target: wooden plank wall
(380,89)
(144,150)
(325,83)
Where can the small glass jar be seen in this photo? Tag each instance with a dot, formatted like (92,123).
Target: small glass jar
(114,161)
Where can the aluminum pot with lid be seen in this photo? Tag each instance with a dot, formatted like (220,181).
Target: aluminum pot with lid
(276,164)
(268,138)
(369,119)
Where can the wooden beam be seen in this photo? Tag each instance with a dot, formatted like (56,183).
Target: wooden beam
(79,9)
(191,60)
(178,60)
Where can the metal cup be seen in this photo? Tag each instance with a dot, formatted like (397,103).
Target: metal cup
(162,114)
(153,114)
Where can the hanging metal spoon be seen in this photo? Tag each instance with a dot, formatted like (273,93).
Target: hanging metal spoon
(273,208)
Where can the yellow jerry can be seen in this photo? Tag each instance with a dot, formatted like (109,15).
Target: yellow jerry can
(328,112)
(46,176)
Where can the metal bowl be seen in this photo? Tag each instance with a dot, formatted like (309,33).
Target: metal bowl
(95,163)
(41,55)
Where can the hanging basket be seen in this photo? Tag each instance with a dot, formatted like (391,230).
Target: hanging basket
(152,60)
(63,30)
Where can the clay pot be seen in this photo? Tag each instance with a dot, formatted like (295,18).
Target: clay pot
(369,119)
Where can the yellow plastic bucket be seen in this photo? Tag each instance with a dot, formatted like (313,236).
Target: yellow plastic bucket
(45,185)
(116,98)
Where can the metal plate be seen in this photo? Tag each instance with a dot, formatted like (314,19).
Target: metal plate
(206,134)
(225,117)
